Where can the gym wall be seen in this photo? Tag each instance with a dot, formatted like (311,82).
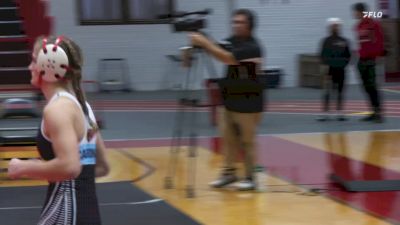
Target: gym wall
(144,46)
(286,28)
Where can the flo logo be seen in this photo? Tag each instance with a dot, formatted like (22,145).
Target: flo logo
(372,14)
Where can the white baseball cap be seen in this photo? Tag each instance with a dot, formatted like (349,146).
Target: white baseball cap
(334,20)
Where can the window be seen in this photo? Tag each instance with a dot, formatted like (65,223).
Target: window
(97,12)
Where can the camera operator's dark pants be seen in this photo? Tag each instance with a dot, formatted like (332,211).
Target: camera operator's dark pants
(239,133)
(337,78)
(368,76)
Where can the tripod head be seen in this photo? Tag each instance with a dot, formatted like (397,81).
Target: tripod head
(196,59)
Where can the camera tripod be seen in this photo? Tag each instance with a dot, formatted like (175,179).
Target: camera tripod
(187,102)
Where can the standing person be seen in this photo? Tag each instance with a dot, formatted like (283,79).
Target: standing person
(335,53)
(71,148)
(371,46)
(242,112)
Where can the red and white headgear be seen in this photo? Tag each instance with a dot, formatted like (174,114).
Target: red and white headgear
(52,61)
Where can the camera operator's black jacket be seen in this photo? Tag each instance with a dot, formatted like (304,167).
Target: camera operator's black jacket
(243,92)
(335,51)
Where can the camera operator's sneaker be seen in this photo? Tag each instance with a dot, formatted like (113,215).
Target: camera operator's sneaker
(223,180)
(245,185)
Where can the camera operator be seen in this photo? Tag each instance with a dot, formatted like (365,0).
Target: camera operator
(242,112)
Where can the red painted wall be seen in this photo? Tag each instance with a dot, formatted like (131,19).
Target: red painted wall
(36,20)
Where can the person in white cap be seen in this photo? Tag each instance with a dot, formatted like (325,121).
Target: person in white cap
(335,53)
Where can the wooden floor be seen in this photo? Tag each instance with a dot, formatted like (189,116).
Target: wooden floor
(282,204)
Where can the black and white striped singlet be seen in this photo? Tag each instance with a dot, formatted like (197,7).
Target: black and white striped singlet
(71,202)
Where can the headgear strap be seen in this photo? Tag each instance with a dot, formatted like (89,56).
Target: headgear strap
(58,41)
(44,43)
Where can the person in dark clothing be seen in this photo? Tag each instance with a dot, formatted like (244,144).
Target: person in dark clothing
(335,53)
(243,100)
(371,42)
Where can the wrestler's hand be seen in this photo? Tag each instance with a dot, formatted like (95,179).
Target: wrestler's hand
(15,168)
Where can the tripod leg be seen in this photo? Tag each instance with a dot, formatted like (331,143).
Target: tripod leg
(174,148)
(177,137)
(192,154)
(177,133)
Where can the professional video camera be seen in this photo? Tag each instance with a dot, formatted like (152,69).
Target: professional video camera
(184,23)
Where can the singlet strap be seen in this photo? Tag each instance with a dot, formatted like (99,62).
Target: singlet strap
(72,98)
(67,95)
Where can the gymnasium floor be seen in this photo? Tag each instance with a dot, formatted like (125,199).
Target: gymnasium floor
(298,152)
